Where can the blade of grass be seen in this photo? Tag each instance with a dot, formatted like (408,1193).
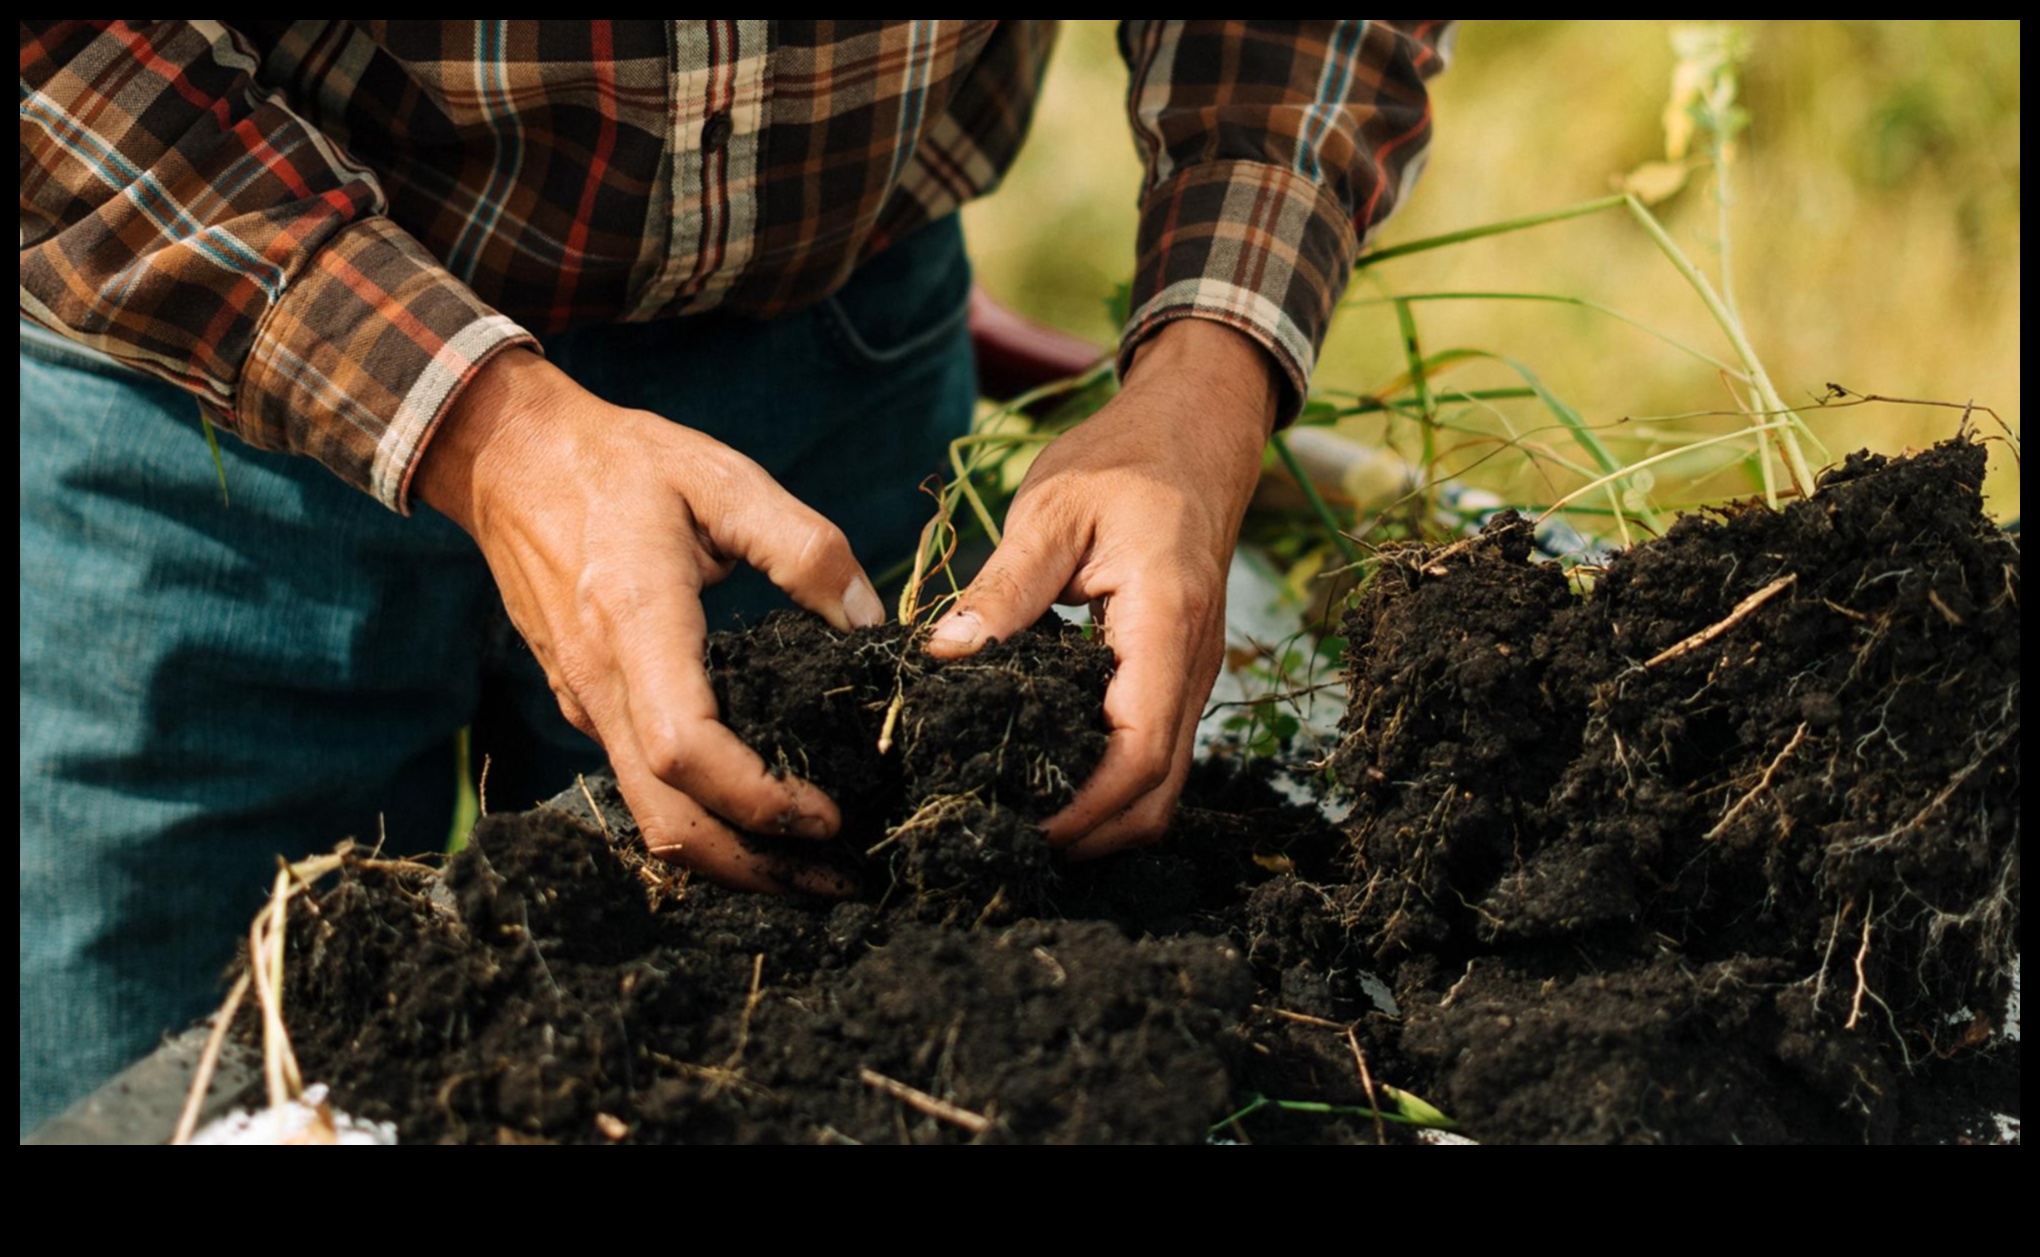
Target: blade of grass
(1556,299)
(1369,405)
(1425,1116)
(1420,388)
(1504,227)
(1576,426)
(1769,402)
(1347,550)
(1642,463)
(212,442)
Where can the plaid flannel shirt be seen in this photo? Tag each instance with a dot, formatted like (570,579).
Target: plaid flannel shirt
(323,229)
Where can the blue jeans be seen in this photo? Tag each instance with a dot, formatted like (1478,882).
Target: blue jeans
(205,687)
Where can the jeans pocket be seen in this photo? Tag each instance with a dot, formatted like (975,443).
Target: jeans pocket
(913,297)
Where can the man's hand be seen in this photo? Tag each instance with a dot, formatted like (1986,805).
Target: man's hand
(1137,510)
(602,526)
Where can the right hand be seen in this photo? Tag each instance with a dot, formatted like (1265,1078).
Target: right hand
(602,526)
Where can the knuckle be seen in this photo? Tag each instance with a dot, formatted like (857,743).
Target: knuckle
(998,584)
(1150,754)
(668,752)
(818,546)
(1146,820)
(569,702)
(762,811)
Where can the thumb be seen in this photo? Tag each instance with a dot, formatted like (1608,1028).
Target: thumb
(1017,585)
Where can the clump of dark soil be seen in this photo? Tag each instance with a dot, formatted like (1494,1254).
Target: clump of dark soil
(1672,862)
(975,751)
(1748,812)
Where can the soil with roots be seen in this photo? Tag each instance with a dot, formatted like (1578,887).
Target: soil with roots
(1725,850)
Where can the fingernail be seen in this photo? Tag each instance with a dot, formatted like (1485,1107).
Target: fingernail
(808,826)
(861,604)
(959,629)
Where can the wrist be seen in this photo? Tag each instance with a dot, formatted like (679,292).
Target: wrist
(488,427)
(1236,380)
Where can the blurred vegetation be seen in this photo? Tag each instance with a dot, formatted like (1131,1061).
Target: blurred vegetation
(1875,230)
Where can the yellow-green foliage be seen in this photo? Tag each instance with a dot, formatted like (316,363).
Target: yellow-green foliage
(1875,225)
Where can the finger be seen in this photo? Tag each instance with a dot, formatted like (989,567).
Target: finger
(1146,821)
(1016,586)
(1152,637)
(677,828)
(660,638)
(800,551)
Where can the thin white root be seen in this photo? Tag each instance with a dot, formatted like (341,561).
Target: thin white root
(1862,954)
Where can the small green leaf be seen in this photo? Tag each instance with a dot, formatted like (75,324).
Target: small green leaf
(1418,1110)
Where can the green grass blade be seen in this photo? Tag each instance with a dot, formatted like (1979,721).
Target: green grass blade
(1317,502)
(212,442)
(1560,299)
(1491,229)
(1364,404)
(1576,426)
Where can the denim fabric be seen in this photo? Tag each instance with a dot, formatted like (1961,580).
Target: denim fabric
(205,687)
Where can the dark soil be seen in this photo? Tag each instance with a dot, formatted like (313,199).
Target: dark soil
(1765,889)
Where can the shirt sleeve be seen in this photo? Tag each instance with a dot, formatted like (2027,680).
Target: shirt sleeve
(177,215)
(1273,150)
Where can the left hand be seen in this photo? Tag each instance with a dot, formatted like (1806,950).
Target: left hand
(1137,510)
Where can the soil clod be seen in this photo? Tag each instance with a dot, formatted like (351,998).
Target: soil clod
(1724,850)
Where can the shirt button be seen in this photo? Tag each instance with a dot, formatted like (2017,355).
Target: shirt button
(715,133)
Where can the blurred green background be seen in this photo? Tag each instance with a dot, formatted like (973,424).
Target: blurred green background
(1875,225)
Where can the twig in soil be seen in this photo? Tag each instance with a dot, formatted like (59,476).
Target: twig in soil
(1302,1019)
(1367,1082)
(1434,565)
(1453,993)
(1763,784)
(1742,611)
(208,1061)
(992,908)
(915,1098)
(482,790)
(1862,953)
(600,819)
(892,719)
(932,812)
(744,1021)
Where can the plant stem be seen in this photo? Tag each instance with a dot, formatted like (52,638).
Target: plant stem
(1768,400)
(1316,499)
(1640,464)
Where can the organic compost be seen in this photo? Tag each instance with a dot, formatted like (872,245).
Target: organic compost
(1724,850)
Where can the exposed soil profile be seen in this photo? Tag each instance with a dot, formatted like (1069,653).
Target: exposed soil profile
(1725,851)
